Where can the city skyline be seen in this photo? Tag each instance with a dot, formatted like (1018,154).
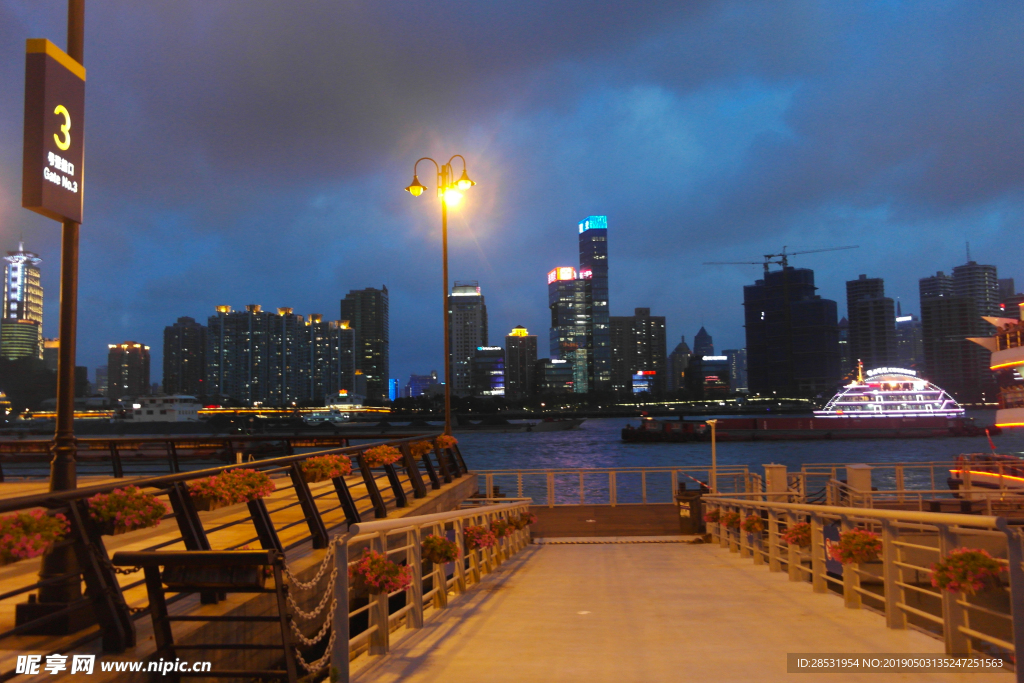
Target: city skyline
(735,153)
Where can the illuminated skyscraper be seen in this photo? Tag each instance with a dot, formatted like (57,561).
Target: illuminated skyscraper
(567,301)
(520,363)
(128,370)
(332,352)
(367,313)
(594,270)
(467,312)
(185,357)
(21,324)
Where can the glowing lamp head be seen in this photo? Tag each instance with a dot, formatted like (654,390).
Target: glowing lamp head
(452,197)
(464,183)
(416,188)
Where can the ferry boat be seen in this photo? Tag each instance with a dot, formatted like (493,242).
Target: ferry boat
(884,403)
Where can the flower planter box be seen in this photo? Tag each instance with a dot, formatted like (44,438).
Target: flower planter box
(205,504)
(315,478)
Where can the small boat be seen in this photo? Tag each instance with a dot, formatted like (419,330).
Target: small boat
(556,424)
(988,471)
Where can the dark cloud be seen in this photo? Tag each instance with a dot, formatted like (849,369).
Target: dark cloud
(254,152)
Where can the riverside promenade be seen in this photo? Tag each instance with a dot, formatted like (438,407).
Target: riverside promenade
(643,612)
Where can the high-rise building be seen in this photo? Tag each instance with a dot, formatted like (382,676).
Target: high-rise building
(127,369)
(467,312)
(594,271)
(980,283)
(332,353)
(51,353)
(101,380)
(846,360)
(420,384)
(520,363)
(935,286)
(488,371)
(392,388)
(567,301)
(621,327)
(792,335)
(185,357)
(238,354)
(21,322)
(639,346)
(1006,288)
(678,361)
(872,317)
(707,377)
(703,344)
(737,360)
(909,343)
(951,310)
(554,376)
(367,313)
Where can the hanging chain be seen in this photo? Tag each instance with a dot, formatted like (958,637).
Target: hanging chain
(320,663)
(328,592)
(310,642)
(311,584)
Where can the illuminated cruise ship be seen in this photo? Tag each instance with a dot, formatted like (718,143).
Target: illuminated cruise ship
(890,392)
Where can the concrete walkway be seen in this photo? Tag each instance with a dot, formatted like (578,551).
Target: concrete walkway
(642,613)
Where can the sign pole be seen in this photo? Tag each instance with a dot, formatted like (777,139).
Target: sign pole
(56,595)
(63,475)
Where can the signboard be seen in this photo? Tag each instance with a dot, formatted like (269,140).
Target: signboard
(52,162)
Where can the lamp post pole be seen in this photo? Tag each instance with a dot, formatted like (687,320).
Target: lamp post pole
(450,191)
(714,458)
(447,311)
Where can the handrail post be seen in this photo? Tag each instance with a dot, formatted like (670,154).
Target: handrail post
(460,565)
(412,470)
(488,485)
(851,575)
(413,558)
(818,555)
(551,489)
(613,494)
(895,617)
(746,541)
(773,541)
(793,562)
(953,613)
(378,612)
(643,485)
(583,496)
(339,620)
(519,484)
(1015,556)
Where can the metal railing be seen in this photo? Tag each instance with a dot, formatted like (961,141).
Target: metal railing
(611,486)
(432,585)
(152,455)
(931,474)
(115,600)
(899,586)
(988,501)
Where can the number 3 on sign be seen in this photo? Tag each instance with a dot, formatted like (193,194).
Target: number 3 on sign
(65,128)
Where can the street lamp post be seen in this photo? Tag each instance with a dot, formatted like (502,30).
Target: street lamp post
(714,458)
(449,191)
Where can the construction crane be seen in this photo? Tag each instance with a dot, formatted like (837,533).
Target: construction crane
(777,259)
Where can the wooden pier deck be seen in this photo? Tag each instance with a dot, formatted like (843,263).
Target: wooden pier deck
(643,613)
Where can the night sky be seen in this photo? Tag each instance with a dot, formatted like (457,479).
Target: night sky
(255,152)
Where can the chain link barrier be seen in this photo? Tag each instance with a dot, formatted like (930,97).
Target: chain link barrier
(327,599)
